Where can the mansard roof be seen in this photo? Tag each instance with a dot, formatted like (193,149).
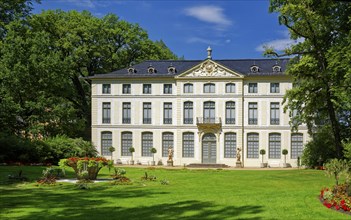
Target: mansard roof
(160,68)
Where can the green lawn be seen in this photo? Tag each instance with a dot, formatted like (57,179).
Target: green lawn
(191,194)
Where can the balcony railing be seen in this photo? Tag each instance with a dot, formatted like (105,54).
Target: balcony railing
(274,121)
(167,121)
(200,120)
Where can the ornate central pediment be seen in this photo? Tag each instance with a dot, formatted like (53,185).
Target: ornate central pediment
(209,68)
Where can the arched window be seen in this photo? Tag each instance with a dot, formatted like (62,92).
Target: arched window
(106,142)
(274,148)
(188,144)
(252,145)
(209,88)
(126,143)
(230,145)
(146,144)
(167,142)
(230,88)
(188,88)
(296,145)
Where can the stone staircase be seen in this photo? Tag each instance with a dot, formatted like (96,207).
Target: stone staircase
(204,165)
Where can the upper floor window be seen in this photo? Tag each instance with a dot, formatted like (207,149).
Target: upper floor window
(146,88)
(254,69)
(188,88)
(209,88)
(167,113)
(275,113)
(252,87)
(106,112)
(276,68)
(252,113)
(230,112)
(147,113)
(126,116)
(274,87)
(106,88)
(126,89)
(230,88)
(188,112)
(167,88)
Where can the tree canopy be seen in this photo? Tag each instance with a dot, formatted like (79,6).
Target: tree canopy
(321,66)
(45,59)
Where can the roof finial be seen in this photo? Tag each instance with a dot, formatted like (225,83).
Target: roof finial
(209,53)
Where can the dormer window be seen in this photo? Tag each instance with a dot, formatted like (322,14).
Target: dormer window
(254,69)
(276,69)
(151,69)
(131,70)
(172,69)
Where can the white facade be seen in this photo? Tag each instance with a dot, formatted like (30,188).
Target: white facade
(226,114)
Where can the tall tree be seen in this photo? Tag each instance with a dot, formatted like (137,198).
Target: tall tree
(47,57)
(320,81)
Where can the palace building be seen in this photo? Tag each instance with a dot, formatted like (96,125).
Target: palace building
(203,109)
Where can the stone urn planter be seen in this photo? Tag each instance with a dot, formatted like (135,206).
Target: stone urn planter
(263,152)
(285,152)
(132,150)
(153,151)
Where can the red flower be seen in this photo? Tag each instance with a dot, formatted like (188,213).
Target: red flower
(337,207)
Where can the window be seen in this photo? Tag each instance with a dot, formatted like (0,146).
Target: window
(254,69)
(252,113)
(106,88)
(276,69)
(106,142)
(274,87)
(126,143)
(274,113)
(167,113)
(209,112)
(167,142)
(252,145)
(126,113)
(106,112)
(126,89)
(296,145)
(230,112)
(167,88)
(274,151)
(209,88)
(146,113)
(188,88)
(146,144)
(188,112)
(230,88)
(252,87)
(188,144)
(229,145)
(146,88)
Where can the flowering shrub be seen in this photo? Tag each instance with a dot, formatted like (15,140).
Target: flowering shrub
(339,198)
(86,167)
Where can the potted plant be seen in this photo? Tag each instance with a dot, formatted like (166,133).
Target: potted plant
(111,149)
(285,152)
(263,152)
(153,151)
(132,150)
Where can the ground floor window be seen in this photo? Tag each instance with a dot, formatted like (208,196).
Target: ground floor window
(296,145)
(127,142)
(252,145)
(274,146)
(229,145)
(167,142)
(106,142)
(188,144)
(146,144)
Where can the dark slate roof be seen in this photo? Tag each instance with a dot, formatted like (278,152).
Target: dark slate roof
(241,66)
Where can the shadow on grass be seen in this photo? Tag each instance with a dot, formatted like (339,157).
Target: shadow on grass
(104,203)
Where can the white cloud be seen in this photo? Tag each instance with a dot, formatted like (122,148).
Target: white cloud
(201,40)
(210,14)
(279,44)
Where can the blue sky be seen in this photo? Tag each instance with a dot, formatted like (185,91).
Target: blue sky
(234,28)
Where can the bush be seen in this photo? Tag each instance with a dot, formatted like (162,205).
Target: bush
(319,149)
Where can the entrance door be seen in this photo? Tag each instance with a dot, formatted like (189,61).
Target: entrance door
(209,148)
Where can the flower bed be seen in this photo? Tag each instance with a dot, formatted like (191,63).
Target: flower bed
(338,198)
(86,167)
